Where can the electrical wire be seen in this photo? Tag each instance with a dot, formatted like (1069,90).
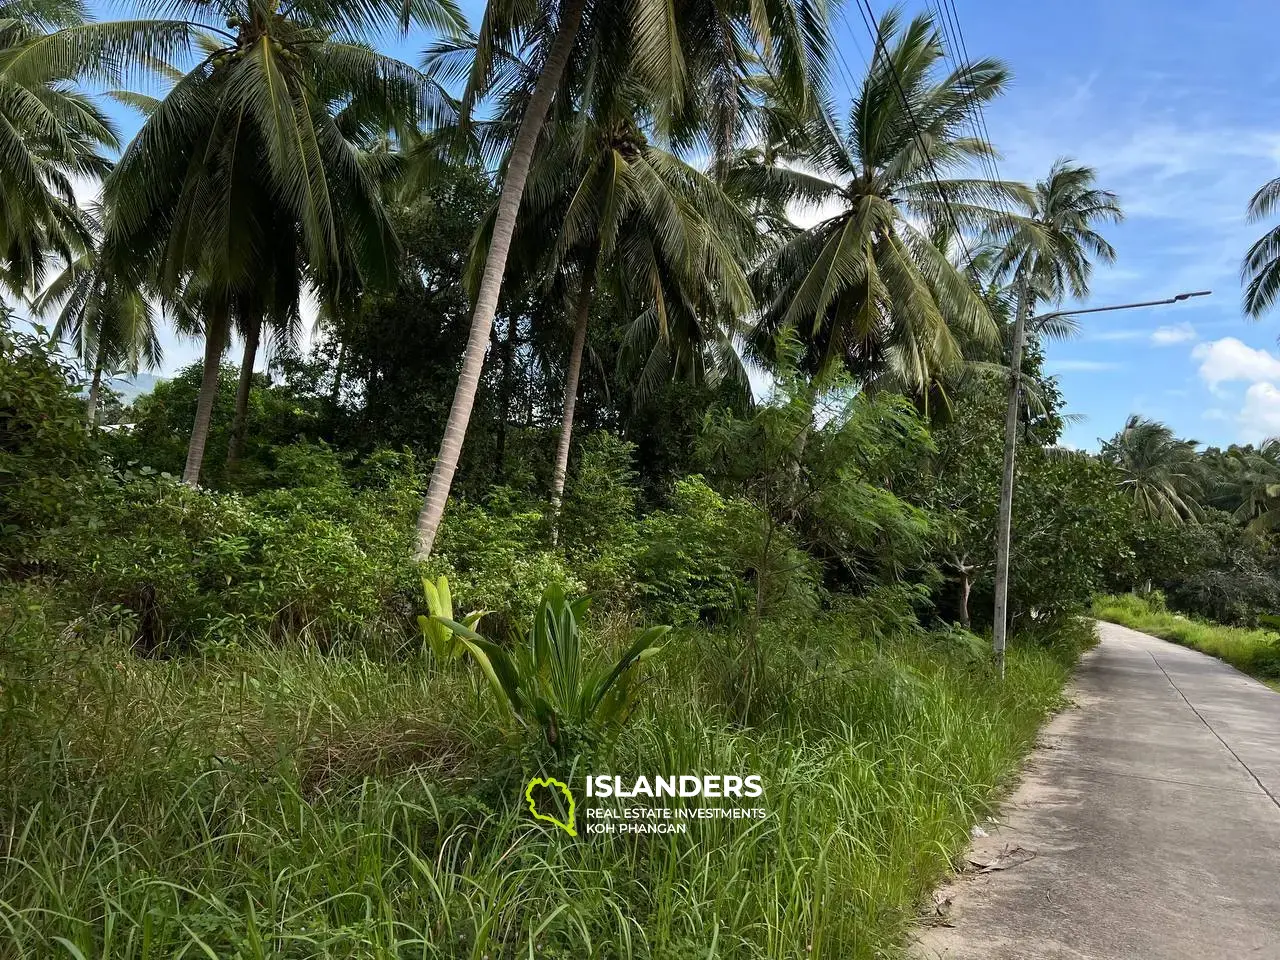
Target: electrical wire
(949,21)
(879,51)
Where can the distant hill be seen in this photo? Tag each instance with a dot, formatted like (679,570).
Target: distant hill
(133,387)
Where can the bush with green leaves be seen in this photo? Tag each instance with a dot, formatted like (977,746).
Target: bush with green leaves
(597,525)
(810,468)
(47,458)
(1071,520)
(886,611)
(1214,568)
(279,415)
(688,566)
(324,561)
(497,556)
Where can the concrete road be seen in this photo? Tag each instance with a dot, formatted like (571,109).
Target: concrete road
(1147,826)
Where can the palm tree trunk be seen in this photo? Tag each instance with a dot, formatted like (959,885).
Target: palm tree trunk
(215,339)
(95,387)
(1004,522)
(239,423)
(572,373)
(464,396)
(504,395)
(335,394)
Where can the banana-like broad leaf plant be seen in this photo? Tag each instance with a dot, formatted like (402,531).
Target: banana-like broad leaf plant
(545,681)
(444,643)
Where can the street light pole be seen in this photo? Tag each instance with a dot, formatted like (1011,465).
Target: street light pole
(1004,522)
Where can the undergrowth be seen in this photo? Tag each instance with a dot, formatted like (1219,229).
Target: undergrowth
(278,801)
(1252,651)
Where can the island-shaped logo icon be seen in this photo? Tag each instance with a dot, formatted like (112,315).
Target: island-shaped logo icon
(550,783)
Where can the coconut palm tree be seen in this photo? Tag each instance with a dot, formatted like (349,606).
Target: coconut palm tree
(1261,268)
(1048,250)
(1246,481)
(628,216)
(272,306)
(866,288)
(50,134)
(107,318)
(690,59)
(1159,472)
(251,167)
(606,208)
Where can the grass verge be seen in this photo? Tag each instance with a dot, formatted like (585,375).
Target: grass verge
(1255,652)
(277,802)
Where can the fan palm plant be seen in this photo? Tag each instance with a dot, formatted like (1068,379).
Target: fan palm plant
(1048,249)
(866,288)
(251,167)
(1159,472)
(690,60)
(50,135)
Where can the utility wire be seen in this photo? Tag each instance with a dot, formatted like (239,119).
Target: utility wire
(880,51)
(951,52)
(842,64)
(960,51)
(981,113)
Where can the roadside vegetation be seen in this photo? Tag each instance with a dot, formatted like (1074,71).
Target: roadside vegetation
(1255,651)
(1205,557)
(262,801)
(280,650)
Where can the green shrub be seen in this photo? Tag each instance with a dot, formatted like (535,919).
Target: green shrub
(687,566)
(198,566)
(278,416)
(1215,568)
(47,458)
(497,558)
(885,611)
(598,526)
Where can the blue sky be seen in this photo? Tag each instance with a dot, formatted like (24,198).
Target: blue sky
(1177,105)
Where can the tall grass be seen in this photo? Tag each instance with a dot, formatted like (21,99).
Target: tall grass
(270,802)
(1252,651)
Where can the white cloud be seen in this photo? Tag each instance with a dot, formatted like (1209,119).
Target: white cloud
(1260,415)
(1176,333)
(1229,359)
(1184,177)
(1115,335)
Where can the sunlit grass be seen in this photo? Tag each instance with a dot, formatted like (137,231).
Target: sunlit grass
(1255,652)
(276,802)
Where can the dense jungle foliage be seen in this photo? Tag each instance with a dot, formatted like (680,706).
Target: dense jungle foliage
(651,420)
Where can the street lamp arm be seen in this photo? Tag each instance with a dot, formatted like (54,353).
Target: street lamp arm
(1122,306)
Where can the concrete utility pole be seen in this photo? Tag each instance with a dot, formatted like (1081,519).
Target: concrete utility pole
(1004,523)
